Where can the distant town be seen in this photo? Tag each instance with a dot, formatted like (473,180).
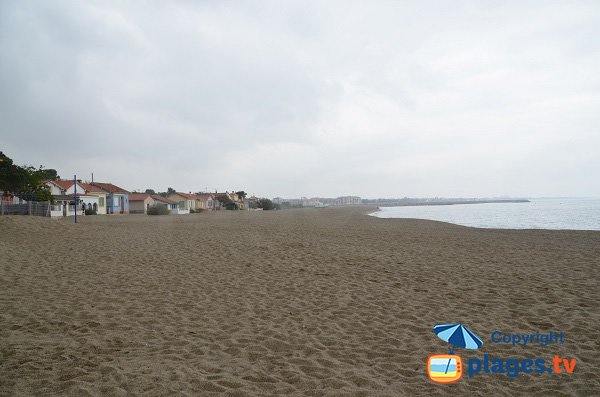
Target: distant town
(27,190)
(40,191)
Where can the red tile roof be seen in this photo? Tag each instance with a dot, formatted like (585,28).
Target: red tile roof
(63,183)
(163,199)
(188,196)
(203,196)
(90,188)
(109,187)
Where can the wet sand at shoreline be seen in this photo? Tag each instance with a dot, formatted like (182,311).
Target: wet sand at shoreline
(308,302)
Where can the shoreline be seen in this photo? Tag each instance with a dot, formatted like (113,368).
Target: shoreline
(542,216)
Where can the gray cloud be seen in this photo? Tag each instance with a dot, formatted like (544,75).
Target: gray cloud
(305,98)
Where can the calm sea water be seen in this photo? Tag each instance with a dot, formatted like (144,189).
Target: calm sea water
(552,213)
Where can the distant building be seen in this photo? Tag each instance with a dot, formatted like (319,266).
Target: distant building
(140,203)
(65,204)
(117,199)
(185,201)
(319,201)
(205,201)
(349,200)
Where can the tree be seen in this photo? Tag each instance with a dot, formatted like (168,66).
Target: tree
(163,194)
(241,194)
(150,191)
(265,204)
(226,201)
(49,173)
(26,182)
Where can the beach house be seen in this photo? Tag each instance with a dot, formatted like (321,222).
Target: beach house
(65,204)
(185,201)
(92,190)
(204,201)
(117,198)
(139,203)
(172,205)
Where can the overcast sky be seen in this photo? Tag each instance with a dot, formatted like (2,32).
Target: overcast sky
(325,98)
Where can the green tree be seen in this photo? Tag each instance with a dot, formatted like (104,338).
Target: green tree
(226,201)
(48,174)
(26,182)
(265,204)
(150,191)
(164,194)
(241,194)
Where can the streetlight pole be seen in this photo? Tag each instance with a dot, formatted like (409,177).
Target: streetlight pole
(75,197)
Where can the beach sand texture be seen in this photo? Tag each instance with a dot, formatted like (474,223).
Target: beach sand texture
(308,302)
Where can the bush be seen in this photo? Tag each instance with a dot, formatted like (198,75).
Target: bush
(196,211)
(158,210)
(90,212)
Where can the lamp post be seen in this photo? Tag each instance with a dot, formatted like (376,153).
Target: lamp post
(75,197)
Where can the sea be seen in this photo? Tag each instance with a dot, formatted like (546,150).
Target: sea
(539,213)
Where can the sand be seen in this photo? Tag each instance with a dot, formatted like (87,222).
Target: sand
(310,302)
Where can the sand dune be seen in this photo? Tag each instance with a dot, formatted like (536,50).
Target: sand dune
(314,302)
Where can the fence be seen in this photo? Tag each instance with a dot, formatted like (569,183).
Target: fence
(37,208)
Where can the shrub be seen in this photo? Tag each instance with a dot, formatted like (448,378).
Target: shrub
(231,206)
(158,210)
(90,211)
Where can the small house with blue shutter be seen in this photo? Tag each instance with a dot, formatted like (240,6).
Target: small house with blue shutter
(117,199)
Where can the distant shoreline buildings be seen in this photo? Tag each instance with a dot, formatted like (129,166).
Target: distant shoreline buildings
(317,201)
(25,190)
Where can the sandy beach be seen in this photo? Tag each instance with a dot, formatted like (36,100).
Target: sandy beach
(308,302)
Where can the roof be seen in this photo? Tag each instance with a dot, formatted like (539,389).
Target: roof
(163,199)
(203,196)
(62,183)
(138,196)
(90,188)
(188,196)
(109,187)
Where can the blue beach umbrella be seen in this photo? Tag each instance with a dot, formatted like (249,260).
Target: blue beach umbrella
(458,335)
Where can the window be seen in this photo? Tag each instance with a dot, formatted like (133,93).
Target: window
(101,201)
